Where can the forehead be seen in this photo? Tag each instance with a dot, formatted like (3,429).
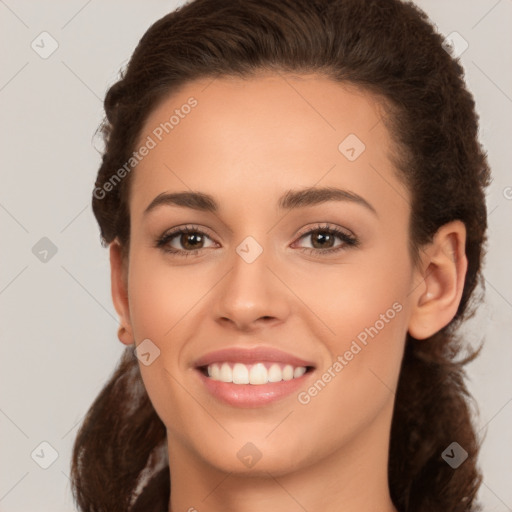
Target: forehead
(265,104)
(225,134)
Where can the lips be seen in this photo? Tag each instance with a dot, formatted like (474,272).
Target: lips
(244,377)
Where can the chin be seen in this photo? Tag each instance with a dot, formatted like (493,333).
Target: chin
(256,460)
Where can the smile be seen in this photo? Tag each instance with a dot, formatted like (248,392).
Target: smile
(252,376)
(256,374)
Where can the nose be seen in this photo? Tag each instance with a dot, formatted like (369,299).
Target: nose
(251,296)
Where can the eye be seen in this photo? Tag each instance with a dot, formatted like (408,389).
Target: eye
(323,239)
(185,241)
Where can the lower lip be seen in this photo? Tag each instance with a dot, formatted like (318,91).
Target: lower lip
(251,395)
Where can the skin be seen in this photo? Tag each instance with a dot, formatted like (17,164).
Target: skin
(246,143)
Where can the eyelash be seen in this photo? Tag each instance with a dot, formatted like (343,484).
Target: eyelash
(348,240)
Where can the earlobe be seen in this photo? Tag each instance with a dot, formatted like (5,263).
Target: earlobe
(442,272)
(119,288)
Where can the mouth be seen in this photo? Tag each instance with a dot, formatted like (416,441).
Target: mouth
(256,374)
(245,377)
(252,377)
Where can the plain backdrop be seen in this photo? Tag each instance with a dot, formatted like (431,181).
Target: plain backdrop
(58,326)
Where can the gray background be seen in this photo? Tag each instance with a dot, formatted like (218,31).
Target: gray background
(59,327)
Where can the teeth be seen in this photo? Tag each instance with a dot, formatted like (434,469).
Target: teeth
(214,371)
(288,372)
(255,374)
(240,374)
(275,374)
(226,374)
(258,374)
(299,372)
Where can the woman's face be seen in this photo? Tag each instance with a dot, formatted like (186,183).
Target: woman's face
(269,264)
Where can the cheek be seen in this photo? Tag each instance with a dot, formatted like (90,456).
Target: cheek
(368,314)
(363,305)
(160,296)
(364,294)
(162,301)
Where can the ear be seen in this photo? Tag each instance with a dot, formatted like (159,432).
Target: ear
(442,272)
(119,287)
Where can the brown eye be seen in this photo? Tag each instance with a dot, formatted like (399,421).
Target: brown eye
(191,241)
(184,241)
(322,240)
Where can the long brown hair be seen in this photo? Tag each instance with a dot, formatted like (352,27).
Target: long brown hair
(389,48)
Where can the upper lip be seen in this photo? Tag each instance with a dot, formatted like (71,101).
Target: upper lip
(250,355)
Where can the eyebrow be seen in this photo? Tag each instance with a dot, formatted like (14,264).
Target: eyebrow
(292,199)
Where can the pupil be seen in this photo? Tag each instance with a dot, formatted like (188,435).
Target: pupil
(189,240)
(322,238)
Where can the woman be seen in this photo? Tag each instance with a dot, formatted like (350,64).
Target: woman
(293,197)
